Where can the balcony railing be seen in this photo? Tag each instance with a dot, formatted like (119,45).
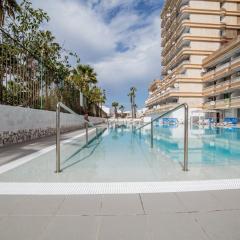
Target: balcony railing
(236,80)
(235,101)
(235,60)
(222,87)
(223,66)
(161,108)
(160,96)
(221,70)
(223,103)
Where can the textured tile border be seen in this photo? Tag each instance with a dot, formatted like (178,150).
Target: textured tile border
(8,138)
(116,188)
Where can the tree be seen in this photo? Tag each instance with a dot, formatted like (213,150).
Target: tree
(121,108)
(132,95)
(33,44)
(8,8)
(38,65)
(102,99)
(84,77)
(115,105)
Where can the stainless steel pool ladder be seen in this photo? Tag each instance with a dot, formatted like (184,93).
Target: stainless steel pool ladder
(185,106)
(58,131)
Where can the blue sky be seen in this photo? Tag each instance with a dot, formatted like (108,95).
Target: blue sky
(120,38)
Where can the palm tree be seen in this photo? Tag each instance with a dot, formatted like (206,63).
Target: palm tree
(97,96)
(121,108)
(115,105)
(132,95)
(83,77)
(102,99)
(8,8)
(135,110)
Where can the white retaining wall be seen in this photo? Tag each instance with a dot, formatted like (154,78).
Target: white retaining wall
(19,124)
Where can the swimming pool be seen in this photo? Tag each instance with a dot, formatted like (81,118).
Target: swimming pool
(121,154)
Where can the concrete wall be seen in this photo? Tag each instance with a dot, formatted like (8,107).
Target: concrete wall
(19,124)
(205,5)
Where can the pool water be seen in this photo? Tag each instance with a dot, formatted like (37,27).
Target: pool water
(121,154)
(207,145)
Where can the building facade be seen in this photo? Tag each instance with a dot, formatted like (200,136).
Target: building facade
(221,81)
(191,30)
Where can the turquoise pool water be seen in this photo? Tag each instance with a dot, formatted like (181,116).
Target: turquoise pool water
(207,145)
(121,154)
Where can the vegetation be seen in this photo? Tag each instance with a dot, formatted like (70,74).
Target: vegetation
(115,106)
(132,95)
(8,8)
(121,108)
(28,48)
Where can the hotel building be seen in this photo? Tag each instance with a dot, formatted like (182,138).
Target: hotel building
(191,31)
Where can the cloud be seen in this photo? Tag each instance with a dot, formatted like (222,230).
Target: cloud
(121,38)
(79,28)
(139,65)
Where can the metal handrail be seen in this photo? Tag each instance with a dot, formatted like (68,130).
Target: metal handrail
(58,132)
(185,106)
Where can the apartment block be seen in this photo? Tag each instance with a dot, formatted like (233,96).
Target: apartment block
(191,30)
(221,81)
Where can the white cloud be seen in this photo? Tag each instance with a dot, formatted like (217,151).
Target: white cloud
(79,28)
(137,65)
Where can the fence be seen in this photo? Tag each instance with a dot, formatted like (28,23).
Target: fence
(26,81)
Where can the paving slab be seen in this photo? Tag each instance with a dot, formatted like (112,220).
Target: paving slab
(199,201)
(71,228)
(229,199)
(7,203)
(220,225)
(36,205)
(23,227)
(162,203)
(172,226)
(123,228)
(126,204)
(81,205)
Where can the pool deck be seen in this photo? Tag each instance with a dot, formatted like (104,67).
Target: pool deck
(194,215)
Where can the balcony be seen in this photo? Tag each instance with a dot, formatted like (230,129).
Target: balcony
(171,60)
(222,87)
(164,94)
(175,18)
(178,42)
(235,60)
(235,102)
(235,82)
(223,70)
(162,108)
(228,103)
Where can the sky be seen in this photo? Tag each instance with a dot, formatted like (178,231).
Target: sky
(119,38)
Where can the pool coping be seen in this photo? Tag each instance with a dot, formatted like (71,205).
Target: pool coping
(74,188)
